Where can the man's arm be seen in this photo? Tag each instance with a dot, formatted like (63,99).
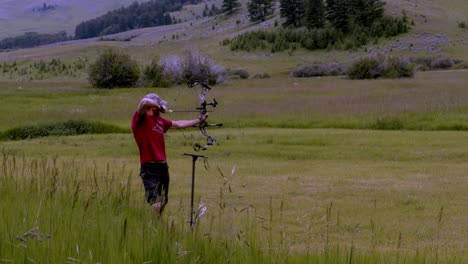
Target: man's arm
(188,123)
(145,105)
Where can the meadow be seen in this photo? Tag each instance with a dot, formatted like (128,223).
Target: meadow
(305,170)
(299,175)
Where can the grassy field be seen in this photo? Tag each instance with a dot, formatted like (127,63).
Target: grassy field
(430,101)
(279,187)
(313,170)
(397,196)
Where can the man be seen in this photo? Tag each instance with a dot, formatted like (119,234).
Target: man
(148,129)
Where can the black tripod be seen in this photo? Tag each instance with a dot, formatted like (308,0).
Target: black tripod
(194,159)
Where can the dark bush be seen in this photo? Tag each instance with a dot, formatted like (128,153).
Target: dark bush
(441,63)
(113,69)
(262,75)
(388,123)
(313,70)
(463,25)
(434,63)
(373,67)
(154,75)
(236,74)
(192,67)
(365,68)
(65,128)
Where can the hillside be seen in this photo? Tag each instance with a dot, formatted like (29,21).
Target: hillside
(435,32)
(21,16)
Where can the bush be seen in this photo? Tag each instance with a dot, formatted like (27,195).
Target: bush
(388,123)
(236,74)
(365,68)
(463,25)
(192,67)
(262,75)
(65,128)
(312,70)
(113,69)
(434,63)
(154,75)
(373,67)
(441,63)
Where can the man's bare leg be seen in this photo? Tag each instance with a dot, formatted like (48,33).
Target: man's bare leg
(156,208)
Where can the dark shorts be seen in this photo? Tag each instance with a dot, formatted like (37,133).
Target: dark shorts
(155,177)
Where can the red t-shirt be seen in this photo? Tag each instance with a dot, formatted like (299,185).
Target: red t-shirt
(149,136)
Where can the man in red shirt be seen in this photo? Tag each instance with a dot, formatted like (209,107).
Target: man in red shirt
(148,129)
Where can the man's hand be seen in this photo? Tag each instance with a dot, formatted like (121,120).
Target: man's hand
(203,117)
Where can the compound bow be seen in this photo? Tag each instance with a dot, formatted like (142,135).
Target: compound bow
(202,108)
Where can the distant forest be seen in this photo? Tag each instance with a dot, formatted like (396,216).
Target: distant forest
(137,15)
(32,39)
(148,14)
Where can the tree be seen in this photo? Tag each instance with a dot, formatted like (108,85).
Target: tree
(229,6)
(113,69)
(292,11)
(260,9)
(365,12)
(314,13)
(338,13)
(347,14)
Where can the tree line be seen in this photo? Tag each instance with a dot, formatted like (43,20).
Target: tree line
(137,15)
(32,39)
(319,24)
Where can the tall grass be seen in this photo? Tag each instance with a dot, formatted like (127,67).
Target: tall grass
(58,210)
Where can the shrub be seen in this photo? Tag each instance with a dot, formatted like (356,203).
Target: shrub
(113,69)
(154,75)
(262,75)
(434,63)
(197,67)
(236,73)
(373,67)
(388,123)
(463,25)
(65,128)
(399,67)
(312,70)
(441,63)
(193,66)
(365,68)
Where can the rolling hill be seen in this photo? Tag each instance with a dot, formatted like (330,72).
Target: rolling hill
(21,16)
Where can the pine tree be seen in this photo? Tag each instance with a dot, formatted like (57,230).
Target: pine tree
(260,9)
(338,13)
(314,13)
(229,6)
(365,12)
(292,11)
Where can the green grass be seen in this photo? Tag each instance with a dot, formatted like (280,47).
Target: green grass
(309,195)
(302,171)
(430,101)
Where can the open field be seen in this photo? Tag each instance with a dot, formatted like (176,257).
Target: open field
(383,193)
(430,101)
(394,196)
(305,170)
